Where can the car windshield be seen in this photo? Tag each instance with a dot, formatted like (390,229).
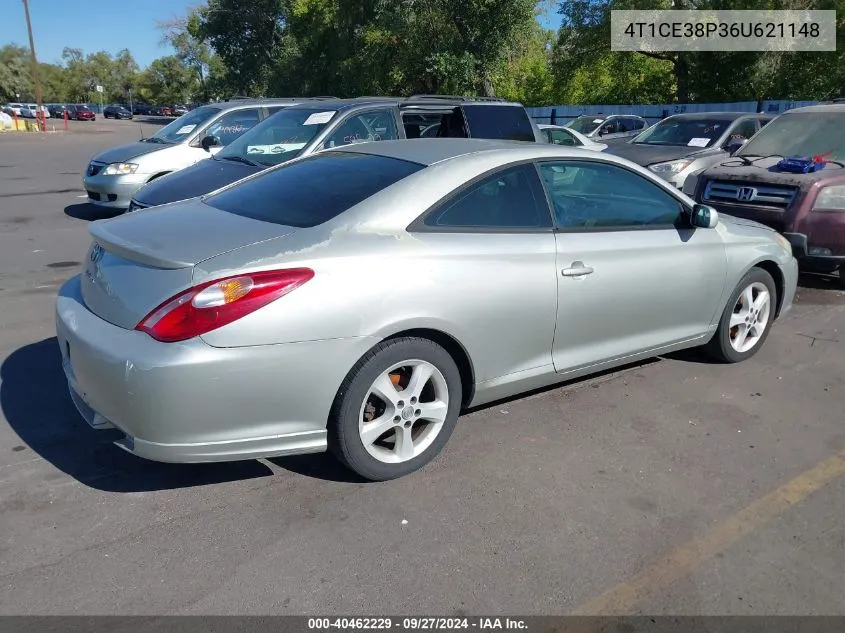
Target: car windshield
(313,190)
(83,108)
(691,132)
(280,137)
(801,134)
(179,129)
(585,124)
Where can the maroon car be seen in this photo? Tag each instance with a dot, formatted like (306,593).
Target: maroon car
(791,177)
(80,113)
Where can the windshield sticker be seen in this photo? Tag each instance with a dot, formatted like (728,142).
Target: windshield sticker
(185,129)
(237,128)
(318,118)
(597,120)
(698,142)
(279,148)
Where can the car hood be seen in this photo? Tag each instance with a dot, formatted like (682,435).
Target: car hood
(735,221)
(196,180)
(123,153)
(765,171)
(650,154)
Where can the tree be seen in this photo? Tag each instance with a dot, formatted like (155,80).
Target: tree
(167,80)
(485,30)
(125,72)
(15,76)
(525,75)
(185,36)
(247,36)
(76,74)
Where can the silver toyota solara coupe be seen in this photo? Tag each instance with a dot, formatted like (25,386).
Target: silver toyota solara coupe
(358,299)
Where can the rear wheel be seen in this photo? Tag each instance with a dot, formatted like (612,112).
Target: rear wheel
(396,409)
(747,318)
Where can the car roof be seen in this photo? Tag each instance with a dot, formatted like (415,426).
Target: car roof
(423,102)
(710,115)
(236,104)
(824,107)
(428,151)
(608,116)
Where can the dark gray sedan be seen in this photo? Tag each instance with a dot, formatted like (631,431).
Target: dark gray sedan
(684,144)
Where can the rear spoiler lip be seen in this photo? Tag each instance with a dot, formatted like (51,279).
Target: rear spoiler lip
(133,252)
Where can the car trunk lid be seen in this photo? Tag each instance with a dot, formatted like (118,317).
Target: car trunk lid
(137,261)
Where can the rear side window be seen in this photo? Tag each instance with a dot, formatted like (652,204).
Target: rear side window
(498,122)
(509,199)
(314,190)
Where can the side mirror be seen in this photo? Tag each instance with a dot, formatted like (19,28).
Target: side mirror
(704,217)
(209,141)
(734,144)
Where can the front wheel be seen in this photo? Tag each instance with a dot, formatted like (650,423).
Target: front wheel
(747,318)
(396,409)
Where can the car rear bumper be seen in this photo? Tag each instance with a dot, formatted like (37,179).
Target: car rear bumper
(191,402)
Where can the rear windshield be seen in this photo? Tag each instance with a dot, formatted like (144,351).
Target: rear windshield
(499,122)
(801,134)
(314,190)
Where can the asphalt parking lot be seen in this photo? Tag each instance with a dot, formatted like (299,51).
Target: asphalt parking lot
(672,487)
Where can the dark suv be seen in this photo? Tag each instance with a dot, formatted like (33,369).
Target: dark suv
(804,198)
(116,112)
(316,124)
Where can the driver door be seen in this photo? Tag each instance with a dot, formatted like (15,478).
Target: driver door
(632,278)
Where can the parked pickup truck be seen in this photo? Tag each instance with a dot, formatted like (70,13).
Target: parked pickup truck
(803,198)
(309,127)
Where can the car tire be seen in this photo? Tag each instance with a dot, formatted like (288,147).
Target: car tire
(405,430)
(743,331)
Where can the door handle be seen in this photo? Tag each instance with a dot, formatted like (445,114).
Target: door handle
(576,269)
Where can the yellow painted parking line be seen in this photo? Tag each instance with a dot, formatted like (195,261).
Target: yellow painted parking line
(620,599)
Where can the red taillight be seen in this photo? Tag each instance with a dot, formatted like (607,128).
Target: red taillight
(216,303)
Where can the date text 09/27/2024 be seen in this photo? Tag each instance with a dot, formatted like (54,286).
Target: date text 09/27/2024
(416,623)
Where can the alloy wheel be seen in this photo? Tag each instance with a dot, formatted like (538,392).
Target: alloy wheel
(750,318)
(404,411)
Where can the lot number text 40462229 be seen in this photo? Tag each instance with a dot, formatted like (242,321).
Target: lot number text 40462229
(416,623)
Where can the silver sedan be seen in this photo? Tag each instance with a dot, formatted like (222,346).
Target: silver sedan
(359,299)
